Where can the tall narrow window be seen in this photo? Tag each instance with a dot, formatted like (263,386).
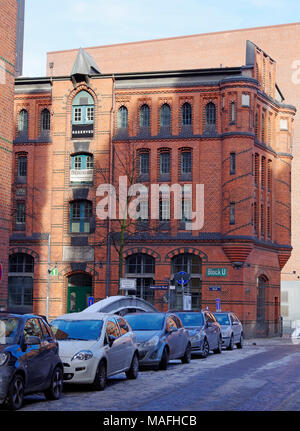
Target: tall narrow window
(20,213)
(263,171)
(23,122)
(164,163)
(45,120)
(210,116)
(256,125)
(80,216)
(186,114)
(144,163)
(262,220)
(269,221)
(22,166)
(255,217)
(269,175)
(83,115)
(232,163)
(186,210)
(165,115)
(122,118)
(232,112)
(263,128)
(232,212)
(256,169)
(186,162)
(144,116)
(164,209)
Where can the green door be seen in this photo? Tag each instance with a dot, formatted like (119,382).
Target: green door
(79,289)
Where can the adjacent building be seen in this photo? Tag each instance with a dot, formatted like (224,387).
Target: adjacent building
(226,128)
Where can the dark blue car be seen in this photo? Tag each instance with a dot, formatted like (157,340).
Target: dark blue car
(29,360)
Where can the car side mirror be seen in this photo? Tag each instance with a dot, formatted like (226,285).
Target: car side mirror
(32,339)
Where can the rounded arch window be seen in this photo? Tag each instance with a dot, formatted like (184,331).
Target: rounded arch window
(210,115)
(83,113)
(144,116)
(186,114)
(45,120)
(122,117)
(165,115)
(23,121)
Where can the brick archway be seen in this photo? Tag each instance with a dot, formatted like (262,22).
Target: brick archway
(143,250)
(182,250)
(24,250)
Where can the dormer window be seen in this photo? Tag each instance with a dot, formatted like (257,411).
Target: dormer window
(83,115)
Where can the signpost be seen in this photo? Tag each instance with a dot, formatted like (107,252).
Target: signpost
(127,284)
(90,301)
(218,304)
(182,278)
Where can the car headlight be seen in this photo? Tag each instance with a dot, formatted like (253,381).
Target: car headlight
(151,343)
(83,355)
(4,358)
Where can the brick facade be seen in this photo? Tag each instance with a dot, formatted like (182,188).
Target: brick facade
(246,231)
(8,20)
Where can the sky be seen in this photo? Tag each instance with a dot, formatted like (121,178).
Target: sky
(67,24)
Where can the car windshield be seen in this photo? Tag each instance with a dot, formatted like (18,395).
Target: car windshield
(76,329)
(191,319)
(9,329)
(222,318)
(146,322)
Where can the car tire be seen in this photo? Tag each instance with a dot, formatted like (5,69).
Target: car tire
(15,395)
(219,348)
(100,377)
(205,349)
(163,365)
(55,389)
(186,358)
(231,343)
(133,371)
(240,344)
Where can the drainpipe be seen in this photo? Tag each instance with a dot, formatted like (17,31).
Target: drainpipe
(48,276)
(111,171)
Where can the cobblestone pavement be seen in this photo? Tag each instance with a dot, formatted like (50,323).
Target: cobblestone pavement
(264,375)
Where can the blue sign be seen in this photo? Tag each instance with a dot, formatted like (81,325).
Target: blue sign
(215,288)
(90,301)
(160,287)
(218,304)
(182,278)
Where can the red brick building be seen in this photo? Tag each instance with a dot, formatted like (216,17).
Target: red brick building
(226,128)
(8,23)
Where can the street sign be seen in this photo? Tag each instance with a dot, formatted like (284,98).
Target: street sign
(215,288)
(216,272)
(172,287)
(187,302)
(218,304)
(1,271)
(90,301)
(128,283)
(182,278)
(160,287)
(54,272)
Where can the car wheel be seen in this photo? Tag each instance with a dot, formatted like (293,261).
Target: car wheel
(15,394)
(231,343)
(100,377)
(241,342)
(163,365)
(205,348)
(133,371)
(56,385)
(219,348)
(186,359)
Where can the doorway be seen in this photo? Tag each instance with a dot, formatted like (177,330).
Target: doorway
(79,290)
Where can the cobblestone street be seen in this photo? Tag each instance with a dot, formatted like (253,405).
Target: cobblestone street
(264,375)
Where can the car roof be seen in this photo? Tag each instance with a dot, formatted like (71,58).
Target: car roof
(85,316)
(21,316)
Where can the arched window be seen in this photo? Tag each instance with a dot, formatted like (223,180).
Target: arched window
(81,212)
(210,116)
(83,115)
(20,283)
(123,118)
(192,265)
(232,112)
(82,166)
(22,168)
(144,116)
(142,267)
(23,122)
(45,120)
(165,115)
(186,114)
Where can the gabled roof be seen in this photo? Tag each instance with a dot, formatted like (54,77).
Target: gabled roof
(84,64)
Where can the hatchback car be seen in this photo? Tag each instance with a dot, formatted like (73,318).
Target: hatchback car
(29,360)
(95,346)
(160,337)
(205,331)
(232,330)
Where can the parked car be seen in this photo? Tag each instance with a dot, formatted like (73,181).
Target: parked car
(160,337)
(232,330)
(205,331)
(95,346)
(29,360)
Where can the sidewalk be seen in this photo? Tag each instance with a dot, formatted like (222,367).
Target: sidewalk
(286,339)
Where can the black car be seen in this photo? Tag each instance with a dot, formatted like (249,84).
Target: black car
(29,360)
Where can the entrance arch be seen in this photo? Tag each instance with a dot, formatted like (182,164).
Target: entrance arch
(79,289)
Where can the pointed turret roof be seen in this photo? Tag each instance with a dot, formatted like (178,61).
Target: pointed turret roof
(84,64)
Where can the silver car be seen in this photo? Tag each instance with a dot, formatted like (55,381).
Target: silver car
(160,337)
(232,329)
(205,331)
(95,346)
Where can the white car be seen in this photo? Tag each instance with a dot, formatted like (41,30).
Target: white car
(95,346)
